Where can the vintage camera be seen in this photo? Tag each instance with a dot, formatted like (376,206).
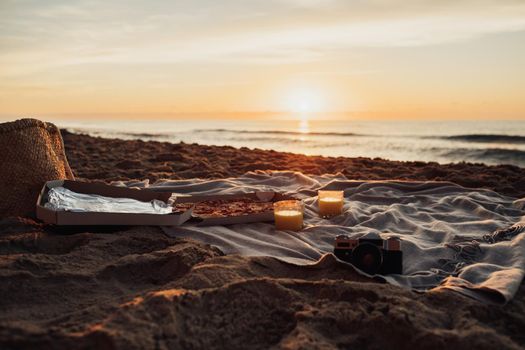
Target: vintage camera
(375,256)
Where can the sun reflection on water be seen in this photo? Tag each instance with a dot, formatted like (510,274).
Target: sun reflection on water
(303,129)
(304,126)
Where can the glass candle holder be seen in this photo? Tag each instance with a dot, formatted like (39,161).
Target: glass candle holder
(288,215)
(330,203)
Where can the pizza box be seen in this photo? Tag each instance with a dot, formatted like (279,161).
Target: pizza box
(95,218)
(264,196)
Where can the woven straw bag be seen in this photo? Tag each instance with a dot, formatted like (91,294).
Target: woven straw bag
(31,153)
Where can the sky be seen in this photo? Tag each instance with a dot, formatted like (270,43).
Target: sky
(379,59)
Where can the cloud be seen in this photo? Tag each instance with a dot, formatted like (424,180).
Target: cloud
(36,34)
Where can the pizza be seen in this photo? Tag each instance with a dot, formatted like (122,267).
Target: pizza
(225,207)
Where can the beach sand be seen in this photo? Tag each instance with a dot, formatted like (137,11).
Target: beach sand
(136,288)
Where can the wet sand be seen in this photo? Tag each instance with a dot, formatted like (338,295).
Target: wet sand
(136,288)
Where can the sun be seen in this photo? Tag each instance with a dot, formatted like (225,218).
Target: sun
(303,107)
(305,100)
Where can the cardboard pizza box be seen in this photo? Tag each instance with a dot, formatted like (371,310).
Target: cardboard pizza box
(266,196)
(95,218)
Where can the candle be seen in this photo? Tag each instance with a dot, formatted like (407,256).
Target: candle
(330,203)
(288,215)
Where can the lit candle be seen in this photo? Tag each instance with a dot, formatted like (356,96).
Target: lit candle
(288,215)
(330,203)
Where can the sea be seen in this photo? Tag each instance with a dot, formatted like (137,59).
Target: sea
(489,142)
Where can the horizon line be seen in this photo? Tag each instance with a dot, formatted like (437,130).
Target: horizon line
(257,115)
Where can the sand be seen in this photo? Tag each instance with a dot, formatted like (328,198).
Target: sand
(113,159)
(134,287)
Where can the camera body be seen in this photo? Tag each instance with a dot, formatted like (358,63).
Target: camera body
(375,256)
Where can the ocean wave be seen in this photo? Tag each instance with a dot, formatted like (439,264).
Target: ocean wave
(487,138)
(492,155)
(249,140)
(311,144)
(115,133)
(278,132)
(144,134)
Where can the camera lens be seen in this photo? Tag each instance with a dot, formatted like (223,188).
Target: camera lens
(368,258)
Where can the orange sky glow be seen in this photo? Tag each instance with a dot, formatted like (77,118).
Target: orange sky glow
(263,59)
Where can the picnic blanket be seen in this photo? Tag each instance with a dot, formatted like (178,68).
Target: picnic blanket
(449,233)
